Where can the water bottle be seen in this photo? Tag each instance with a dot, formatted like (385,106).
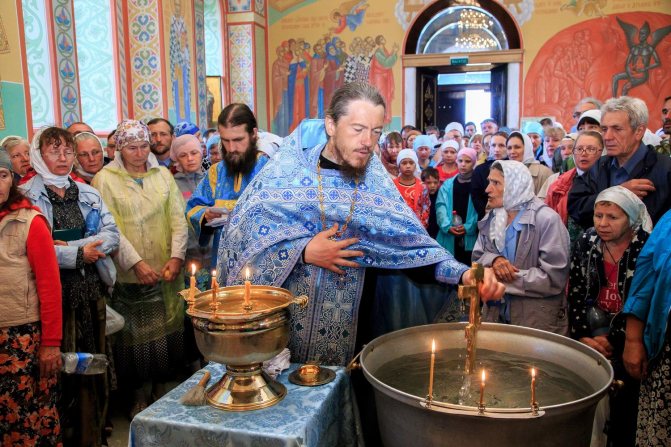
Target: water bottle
(92,221)
(84,363)
(456,219)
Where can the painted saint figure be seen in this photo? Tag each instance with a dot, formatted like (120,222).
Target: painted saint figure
(638,64)
(380,73)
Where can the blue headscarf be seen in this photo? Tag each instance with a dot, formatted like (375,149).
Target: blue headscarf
(185,128)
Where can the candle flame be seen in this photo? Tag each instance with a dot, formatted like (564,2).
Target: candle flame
(214,274)
(483,376)
(433,346)
(193,269)
(533,372)
(247,274)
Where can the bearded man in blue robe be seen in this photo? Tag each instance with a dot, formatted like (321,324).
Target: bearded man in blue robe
(320,213)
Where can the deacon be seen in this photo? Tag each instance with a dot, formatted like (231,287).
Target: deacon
(224,182)
(317,215)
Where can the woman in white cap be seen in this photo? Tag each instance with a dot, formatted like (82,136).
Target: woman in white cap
(603,263)
(526,244)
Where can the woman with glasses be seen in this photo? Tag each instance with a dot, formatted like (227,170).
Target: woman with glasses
(84,236)
(586,152)
(149,210)
(89,155)
(603,263)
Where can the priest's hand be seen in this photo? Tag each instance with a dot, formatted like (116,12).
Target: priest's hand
(324,252)
(490,288)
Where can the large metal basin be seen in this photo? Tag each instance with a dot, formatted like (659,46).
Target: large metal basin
(404,419)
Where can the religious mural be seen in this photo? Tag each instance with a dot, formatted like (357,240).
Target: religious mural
(585,7)
(305,72)
(178,21)
(4,48)
(627,53)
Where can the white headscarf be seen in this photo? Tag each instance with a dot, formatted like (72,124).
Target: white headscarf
(518,190)
(630,204)
(37,162)
(78,166)
(408,153)
(528,158)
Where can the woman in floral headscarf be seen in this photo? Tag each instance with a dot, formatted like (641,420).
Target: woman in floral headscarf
(602,267)
(526,244)
(149,210)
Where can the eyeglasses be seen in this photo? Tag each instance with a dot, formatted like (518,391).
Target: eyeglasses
(92,154)
(55,154)
(591,150)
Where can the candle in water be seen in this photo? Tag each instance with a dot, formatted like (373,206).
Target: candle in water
(482,389)
(433,360)
(215,285)
(248,287)
(533,386)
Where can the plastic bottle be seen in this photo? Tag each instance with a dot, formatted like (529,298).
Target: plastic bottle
(92,221)
(456,219)
(84,363)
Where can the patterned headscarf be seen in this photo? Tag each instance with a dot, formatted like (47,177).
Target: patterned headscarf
(131,131)
(630,204)
(186,128)
(528,158)
(518,191)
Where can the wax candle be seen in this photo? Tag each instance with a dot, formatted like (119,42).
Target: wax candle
(192,285)
(433,359)
(533,386)
(248,287)
(482,389)
(215,285)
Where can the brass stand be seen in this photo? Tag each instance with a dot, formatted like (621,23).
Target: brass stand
(245,388)
(472,293)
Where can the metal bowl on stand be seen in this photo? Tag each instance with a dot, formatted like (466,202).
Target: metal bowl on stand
(242,334)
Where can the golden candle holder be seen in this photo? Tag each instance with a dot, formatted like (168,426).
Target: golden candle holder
(242,335)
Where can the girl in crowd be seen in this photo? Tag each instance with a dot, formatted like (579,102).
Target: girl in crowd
(149,209)
(84,235)
(410,138)
(30,321)
(519,148)
(586,151)
(551,141)
(647,349)
(89,155)
(413,191)
(392,146)
(603,263)
(455,196)
(422,146)
(447,168)
(525,243)
(476,143)
(431,180)
(18,150)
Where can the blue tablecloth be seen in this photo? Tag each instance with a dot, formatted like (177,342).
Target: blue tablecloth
(307,416)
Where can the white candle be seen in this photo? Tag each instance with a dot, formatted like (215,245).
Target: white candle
(433,359)
(482,389)
(533,386)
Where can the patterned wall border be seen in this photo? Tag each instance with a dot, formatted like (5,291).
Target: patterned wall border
(201,91)
(239,5)
(260,7)
(121,57)
(241,56)
(145,58)
(66,61)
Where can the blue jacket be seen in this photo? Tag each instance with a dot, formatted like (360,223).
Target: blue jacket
(650,295)
(89,198)
(444,207)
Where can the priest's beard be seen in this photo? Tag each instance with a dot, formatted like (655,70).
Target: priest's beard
(347,170)
(241,163)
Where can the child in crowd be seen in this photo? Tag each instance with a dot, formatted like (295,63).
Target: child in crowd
(447,168)
(431,179)
(455,196)
(422,146)
(413,191)
(392,146)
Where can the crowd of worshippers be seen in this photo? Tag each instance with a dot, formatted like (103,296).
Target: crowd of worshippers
(571,222)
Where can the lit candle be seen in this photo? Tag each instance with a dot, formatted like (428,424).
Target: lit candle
(482,389)
(192,286)
(248,287)
(215,285)
(533,387)
(433,359)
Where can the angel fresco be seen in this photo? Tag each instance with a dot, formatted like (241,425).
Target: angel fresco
(348,15)
(641,54)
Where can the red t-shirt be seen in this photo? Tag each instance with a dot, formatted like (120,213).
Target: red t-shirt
(609,296)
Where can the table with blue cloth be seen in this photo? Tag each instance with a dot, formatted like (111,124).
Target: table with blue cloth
(307,416)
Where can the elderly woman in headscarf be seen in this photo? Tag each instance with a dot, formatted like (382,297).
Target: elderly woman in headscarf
(526,244)
(89,155)
(603,263)
(18,150)
(519,148)
(84,234)
(149,210)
